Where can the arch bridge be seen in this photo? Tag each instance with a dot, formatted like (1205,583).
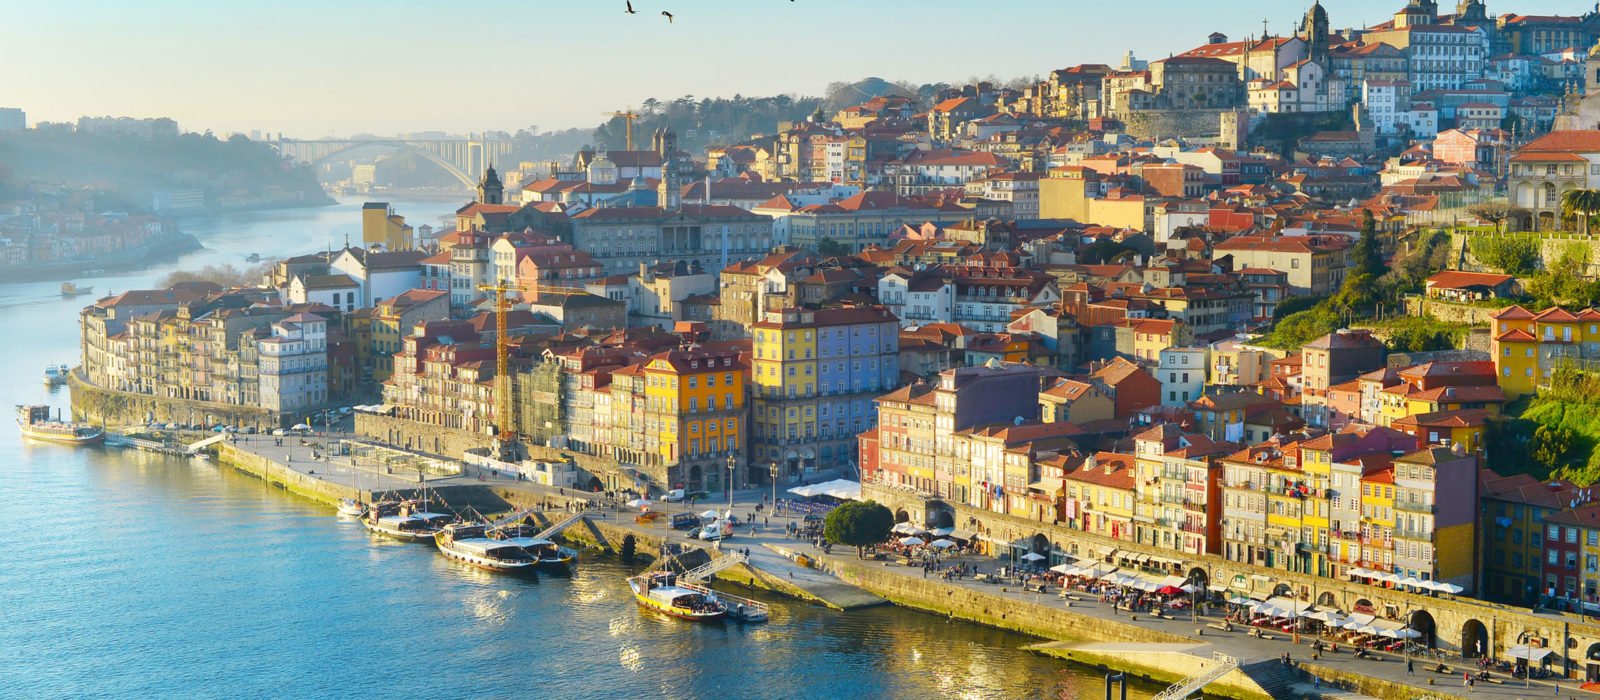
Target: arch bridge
(465,159)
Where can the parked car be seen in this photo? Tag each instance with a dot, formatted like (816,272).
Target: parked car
(673,496)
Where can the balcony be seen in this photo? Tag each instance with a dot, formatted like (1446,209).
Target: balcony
(1416,507)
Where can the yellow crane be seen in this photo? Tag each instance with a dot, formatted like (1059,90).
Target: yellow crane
(628,116)
(502,357)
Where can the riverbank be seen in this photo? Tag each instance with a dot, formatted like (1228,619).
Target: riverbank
(158,249)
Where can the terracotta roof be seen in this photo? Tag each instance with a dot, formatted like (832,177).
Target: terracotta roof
(1564,141)
(1451,279)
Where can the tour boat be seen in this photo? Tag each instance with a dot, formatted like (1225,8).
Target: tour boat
(553,558)
(660,591)
(72,289)
(403,522)
(35,423)
(351,507)
(470,544)
(56,374)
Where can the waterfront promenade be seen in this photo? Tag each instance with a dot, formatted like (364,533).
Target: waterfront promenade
(771,550)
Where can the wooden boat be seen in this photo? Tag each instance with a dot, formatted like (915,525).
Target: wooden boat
(72,289)
(35,423)
(470,544)
(553,558)
(404,521)
(660,591)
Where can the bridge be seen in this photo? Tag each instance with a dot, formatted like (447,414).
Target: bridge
(465,159)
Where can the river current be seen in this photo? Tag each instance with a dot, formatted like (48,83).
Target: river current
(130,575)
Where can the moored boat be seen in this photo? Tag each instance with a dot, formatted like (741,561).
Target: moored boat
(72,289)
(470,544)
(402,521)
(35,423)
(660,591)
(553,558)
(351,507)
(56,374)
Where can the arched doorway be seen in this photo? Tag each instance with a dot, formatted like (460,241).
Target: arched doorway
(1422,622)
(1591,663)
(901,516)
(943,518)
(1200,580)
(595,485)
(1282,589)
(1327,600)
(1474,639)
(695,475)
(1039,544)
(1363,606)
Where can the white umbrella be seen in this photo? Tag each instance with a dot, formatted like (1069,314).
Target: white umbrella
(1412,581)
(709,514)
(299,426)
(639,503)
(1064,568)
(1239,600)
(941,531)
(1450,588)
(906,529)
(942,544)
(1407,633)
(1033,556)
(912,541)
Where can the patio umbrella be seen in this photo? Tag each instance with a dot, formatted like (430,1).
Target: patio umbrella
(639,503)
(299,426)
(709,514)
(1411,581)
(912,541)
(1450,588)
(1033,556)
(1239,600)
(907,529)
(942,544)
(941,531)
(1170,590)
(1064,568)
(1407,633)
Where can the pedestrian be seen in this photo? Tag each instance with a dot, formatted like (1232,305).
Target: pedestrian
(1410,670)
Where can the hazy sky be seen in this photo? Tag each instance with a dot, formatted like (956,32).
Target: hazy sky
(316,68)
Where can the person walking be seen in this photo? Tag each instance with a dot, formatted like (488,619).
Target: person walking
(1410,668)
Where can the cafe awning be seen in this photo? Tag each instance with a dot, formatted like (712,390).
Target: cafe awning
(1526,653)
(963,535)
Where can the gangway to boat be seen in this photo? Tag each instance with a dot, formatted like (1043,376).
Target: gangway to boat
(197,446)
(560,527)
(1221,665)
(511,519)
(704,571)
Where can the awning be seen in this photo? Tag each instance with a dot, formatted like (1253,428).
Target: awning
(1527,653)
(963,535)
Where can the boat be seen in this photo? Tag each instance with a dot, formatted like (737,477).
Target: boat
(471,544)
(36,423)
(253,258)
(405,521)
(72,289)
(660,591)
(553,558)
(351,507)
(56,374)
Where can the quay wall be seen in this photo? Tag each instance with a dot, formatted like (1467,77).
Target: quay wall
(101,406)
(1444,686)
(484,499)
(1165,667)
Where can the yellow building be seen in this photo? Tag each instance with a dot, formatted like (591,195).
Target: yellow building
(1100,495)
(1377,519)
(1527,347)
(694,403)
(381,226)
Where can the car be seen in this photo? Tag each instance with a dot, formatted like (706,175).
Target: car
(279,432)
(673,496)
(249,430)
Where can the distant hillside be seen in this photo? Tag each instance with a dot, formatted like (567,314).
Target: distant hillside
(841,95)
(236,170)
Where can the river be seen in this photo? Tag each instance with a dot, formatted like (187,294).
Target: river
(125,574)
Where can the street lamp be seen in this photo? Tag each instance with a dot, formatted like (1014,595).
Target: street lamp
(733,463)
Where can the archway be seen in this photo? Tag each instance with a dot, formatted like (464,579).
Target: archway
(1327,600)
(594,484)
(1040,544)
(1422,622)
(901,516)
(1283,589)
(943,518)
(1474,639)
(1198,578)
(695,475)
(1363,606)
(1591,663)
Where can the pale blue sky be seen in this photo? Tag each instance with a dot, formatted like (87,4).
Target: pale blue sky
(317,67)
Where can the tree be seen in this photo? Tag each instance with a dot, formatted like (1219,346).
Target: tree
(1514,255)
(858,524)
(1551,446)
(1492,213)
(1300,328)
(1369,250)
(1581,205)
(832,248)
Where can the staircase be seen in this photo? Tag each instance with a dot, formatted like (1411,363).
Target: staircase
(1221,665)
(701,573)
(1273,677)
(556,529)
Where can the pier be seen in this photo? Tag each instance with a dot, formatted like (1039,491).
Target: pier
(1172,649)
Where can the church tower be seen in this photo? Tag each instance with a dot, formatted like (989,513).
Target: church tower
(490,189)
(1314,30)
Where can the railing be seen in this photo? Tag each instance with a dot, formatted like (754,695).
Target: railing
(1222,666)
(721,563)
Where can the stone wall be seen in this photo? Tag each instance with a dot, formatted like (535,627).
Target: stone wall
(93,404)
(1418,305)
(484,499)
(1159,123)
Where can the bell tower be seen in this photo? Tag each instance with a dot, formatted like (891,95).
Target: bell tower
(490,189)
(1314,30)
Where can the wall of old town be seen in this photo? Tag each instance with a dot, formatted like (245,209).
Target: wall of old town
(100,406)
(1158,123)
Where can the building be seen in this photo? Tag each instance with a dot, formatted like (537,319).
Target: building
(293,365)
(13,119)
(380,274)
(1334,359)
(1546,168)
(393,320)
(854,223)
(1528,347)
(622,238)
(694,416)
(1182,373)
(1315,264)
(816,373)
(380,226)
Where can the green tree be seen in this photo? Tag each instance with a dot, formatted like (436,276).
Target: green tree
(858,524)
(1300,328)
(1493,213)
(1581,205)
(1358,295)
(1564,280)
(1551,446)
(832,248)
(1368,253)
(1294,305)
(1514,255)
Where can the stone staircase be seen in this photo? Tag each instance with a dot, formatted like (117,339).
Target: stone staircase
(1273,677)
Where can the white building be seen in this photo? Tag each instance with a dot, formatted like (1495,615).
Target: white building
(293,364)
(1387,103)
(337,291)
(380,275)
(918,298)
(1182,372)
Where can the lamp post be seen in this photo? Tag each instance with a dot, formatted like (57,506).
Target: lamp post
(772,467)
(733,463)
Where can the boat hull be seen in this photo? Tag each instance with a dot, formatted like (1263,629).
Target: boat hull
(95,438)
(561,564)
(496,565)
(401,535)
(649,603)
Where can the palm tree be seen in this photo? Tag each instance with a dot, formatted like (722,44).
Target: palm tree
(1581,204)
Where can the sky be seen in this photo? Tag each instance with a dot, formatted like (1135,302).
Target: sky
(315,68)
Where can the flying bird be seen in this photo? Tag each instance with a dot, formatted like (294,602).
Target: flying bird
(667,15)
(630,8)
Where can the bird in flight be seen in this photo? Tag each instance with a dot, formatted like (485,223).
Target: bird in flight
(667,15)
(630,8)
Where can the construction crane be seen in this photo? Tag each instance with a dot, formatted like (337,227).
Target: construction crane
(629,117)
(502,366)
